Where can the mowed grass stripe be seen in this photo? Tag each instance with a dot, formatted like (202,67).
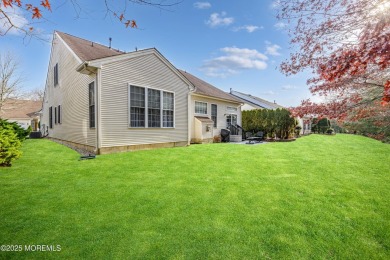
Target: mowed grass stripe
(317,197)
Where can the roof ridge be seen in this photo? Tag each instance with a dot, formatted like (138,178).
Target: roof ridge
(255,97)
(90,41)
(204,88)
(202,80)
(270,103)
(87,50)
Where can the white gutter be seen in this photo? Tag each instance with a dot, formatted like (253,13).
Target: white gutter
(84,68)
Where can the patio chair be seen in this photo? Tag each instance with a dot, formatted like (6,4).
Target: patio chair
(260,135)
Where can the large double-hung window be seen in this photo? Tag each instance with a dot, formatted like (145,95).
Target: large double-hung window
(152,108)
(137,106)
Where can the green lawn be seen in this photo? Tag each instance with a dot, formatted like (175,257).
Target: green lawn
(319,197)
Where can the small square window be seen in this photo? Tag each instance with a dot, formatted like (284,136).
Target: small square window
(200,108)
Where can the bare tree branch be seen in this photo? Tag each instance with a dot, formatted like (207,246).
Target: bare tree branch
(29,11)
(11,78)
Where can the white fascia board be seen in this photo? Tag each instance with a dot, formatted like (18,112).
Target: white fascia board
(216,98)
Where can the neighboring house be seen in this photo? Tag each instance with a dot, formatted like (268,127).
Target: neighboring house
(24,112)
(252,102)
(306,123)
(105,100)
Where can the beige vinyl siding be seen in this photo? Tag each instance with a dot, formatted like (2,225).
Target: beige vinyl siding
(221,111)
(144,71)
(72,94)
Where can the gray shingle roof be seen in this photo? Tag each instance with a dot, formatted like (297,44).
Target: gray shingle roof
(204,119)
(87,50)
(204,88)
(248,98)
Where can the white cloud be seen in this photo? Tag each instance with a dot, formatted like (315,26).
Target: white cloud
(217,19)
(280,25)
(248,28)
(15,15)
(202,5)
(289,87)
(233,61)
(245,53)
(272,49)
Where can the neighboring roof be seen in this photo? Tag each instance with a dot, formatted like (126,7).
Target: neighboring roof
(87,50)
(20,109)
(204,119)
(206,89)
(256,101)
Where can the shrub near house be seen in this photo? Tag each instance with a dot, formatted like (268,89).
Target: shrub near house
(11,137)
(322,126)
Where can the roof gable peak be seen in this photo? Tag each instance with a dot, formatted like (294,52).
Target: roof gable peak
(87,50)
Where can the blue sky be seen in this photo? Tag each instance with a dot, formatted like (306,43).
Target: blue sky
(230,44)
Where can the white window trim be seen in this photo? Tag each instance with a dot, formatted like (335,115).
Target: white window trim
(203,103)
(146,108)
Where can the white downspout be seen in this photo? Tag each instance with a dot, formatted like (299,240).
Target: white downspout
(190,119)
(98,111)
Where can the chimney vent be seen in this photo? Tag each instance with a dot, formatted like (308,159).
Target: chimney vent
(110,39)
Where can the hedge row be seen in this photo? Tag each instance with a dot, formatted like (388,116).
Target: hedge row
(274,123)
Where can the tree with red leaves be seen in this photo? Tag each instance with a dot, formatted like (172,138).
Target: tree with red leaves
(346,45)
(13,11)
